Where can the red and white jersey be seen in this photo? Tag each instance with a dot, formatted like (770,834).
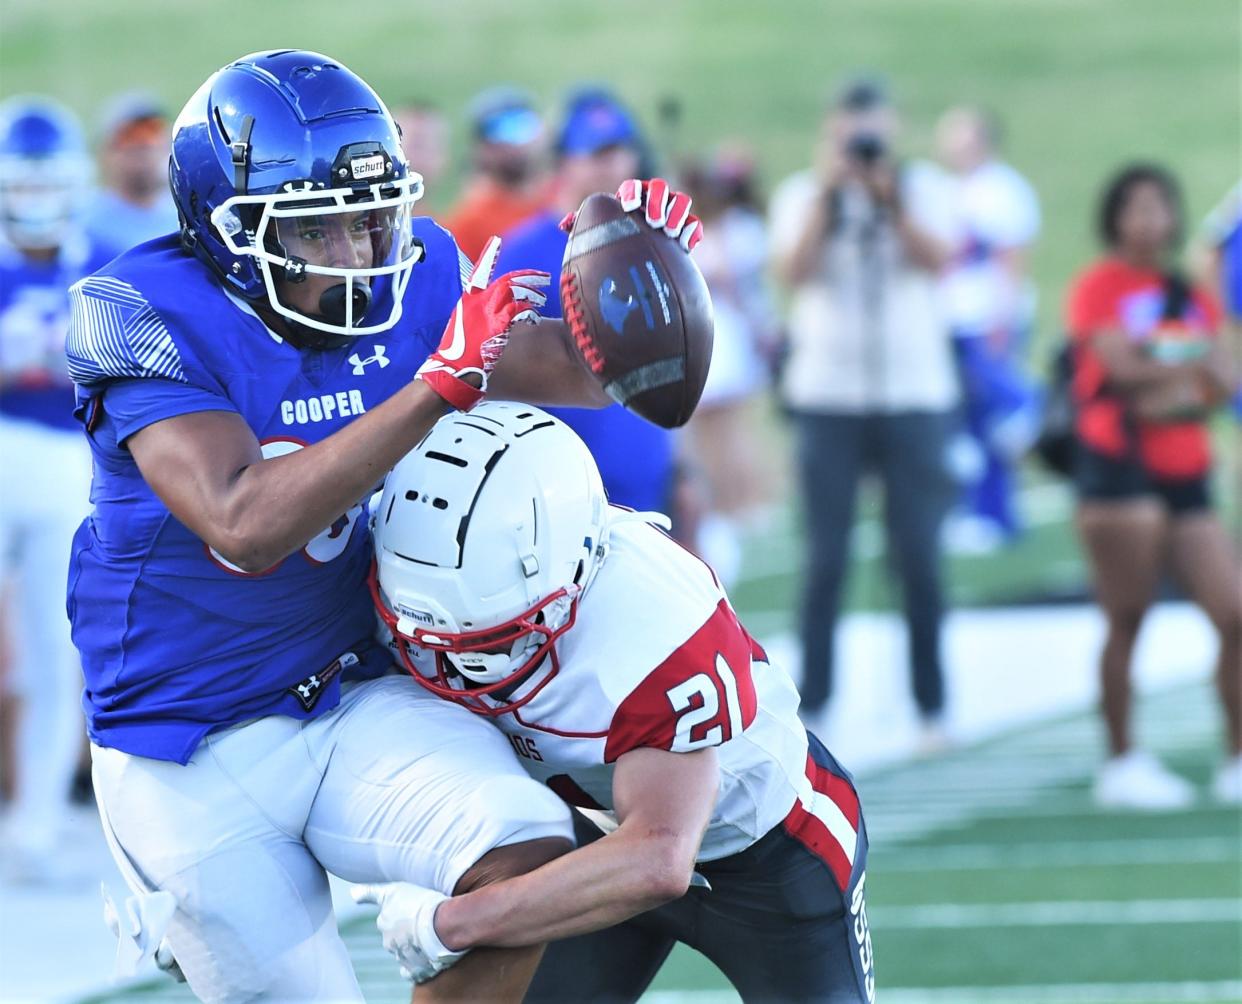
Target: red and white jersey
(658,658)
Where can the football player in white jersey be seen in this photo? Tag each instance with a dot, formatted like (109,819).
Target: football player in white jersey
(612,660)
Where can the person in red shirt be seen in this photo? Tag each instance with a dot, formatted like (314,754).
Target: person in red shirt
(508,178)
(1148,369)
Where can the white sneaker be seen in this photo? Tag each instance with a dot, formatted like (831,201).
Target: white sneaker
(932,739)
(1137,780)
(1227,785)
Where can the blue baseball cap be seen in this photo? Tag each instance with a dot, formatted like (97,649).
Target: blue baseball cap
(594,120)
(505,115)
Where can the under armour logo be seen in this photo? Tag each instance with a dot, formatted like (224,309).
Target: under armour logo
(314,686)
(360,365)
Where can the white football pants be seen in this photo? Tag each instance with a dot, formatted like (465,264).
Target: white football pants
(392,785)
(44,496)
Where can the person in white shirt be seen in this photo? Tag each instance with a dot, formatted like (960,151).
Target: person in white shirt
(859,239)
(723,433)
(989,302)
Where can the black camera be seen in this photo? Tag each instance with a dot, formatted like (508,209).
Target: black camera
(866,148)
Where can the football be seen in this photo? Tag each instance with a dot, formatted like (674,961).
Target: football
(639,311)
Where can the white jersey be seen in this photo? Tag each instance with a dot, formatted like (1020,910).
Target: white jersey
(995,210)
(658,658)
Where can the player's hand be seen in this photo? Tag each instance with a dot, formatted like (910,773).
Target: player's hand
(139,925)
(407,927)
(479,329)
(662,208)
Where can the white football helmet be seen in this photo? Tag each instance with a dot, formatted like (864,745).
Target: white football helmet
(486,537)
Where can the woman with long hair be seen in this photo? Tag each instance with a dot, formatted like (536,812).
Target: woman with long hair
(1148,370)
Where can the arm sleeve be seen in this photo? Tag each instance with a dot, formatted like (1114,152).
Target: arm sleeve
(134,404)
(115,334)
(702,695)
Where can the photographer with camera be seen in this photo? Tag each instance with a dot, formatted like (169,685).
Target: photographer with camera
(870,379)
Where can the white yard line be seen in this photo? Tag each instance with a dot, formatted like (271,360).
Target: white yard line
(1199,992)
(1058,913)
(1076,854)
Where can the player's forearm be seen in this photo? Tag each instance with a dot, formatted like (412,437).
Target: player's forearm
(541,366)
(276,506)
(597,886)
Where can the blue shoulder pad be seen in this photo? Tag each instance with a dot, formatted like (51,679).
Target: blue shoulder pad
(114,333)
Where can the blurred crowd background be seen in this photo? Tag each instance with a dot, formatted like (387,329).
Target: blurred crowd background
(911,208)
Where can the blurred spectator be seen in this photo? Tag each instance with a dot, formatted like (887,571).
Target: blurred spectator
(722,432)
(870,379)
(597,148)
(506,183)
(424,138)
(45,178)
(989,301)
(1219,251)
(9,712)
(1148,369)
(1218,265)
(134,204)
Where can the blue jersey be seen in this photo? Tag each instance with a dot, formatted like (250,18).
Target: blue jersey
(34,317)
(175,641)
(635,458)
(1231,254)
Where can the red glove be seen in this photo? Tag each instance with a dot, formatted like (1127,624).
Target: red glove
(663,209)
(478,331)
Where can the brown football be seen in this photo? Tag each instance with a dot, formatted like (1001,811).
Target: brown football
(639,311)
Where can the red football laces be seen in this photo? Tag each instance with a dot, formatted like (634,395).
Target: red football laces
(576,319)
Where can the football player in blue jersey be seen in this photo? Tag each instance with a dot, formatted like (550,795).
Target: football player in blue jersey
(45,178)
(244,384)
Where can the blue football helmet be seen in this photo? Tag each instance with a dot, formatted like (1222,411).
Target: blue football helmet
(288,173)
(45,172)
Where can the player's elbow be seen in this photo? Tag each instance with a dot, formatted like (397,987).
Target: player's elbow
(666,872)
(246,550)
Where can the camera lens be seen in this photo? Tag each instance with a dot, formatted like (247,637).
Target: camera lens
(866,148)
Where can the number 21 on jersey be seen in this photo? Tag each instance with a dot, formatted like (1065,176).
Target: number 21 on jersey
(707,707)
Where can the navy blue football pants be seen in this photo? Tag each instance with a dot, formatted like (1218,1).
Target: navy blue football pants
(775,922)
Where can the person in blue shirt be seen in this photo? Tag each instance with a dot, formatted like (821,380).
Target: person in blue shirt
(245,385)
(45,175)
(1219,260)
(134,204)
(598,146)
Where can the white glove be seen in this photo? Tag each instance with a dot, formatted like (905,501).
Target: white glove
(406,924)
(140,932)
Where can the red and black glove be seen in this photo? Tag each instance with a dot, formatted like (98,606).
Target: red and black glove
(662,208)
(478,331)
